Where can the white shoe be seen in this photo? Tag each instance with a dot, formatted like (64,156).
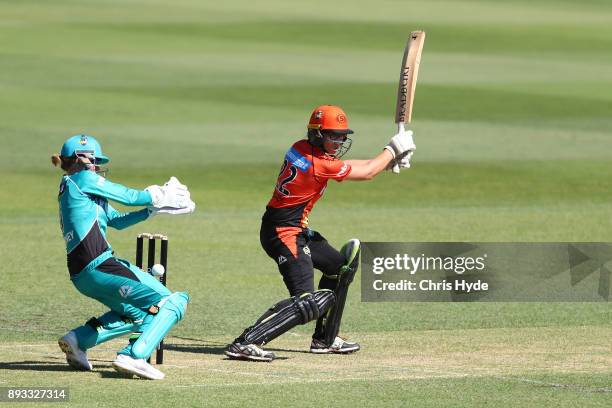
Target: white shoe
(76,357)
(139,367)
(340,346)
(239,351)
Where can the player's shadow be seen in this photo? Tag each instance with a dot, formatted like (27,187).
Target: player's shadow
(198,346)
(287,350)
(201,346)
(35,366)
(115,375)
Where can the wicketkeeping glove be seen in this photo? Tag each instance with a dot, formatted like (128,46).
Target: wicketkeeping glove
(175,183)
(172,195)
(171,211)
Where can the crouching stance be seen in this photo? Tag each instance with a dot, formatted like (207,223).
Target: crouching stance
(139,304)
(307,167)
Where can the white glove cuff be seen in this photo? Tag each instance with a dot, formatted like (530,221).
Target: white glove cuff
(156,193)
(390,149)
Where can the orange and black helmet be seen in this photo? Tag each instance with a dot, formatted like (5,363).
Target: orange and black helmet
(329,123)
(329,118)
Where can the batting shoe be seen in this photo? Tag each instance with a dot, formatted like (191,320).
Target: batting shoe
(239,351)
(138,367)
(75,357)
(340,346)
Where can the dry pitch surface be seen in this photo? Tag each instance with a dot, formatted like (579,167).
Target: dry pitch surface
(535,365)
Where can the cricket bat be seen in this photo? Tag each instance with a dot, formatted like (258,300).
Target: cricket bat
(407,82)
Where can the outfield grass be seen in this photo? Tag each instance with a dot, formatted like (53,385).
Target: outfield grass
(512,123)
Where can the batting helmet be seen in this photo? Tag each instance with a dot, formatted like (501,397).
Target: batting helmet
(83,145)
(331,118)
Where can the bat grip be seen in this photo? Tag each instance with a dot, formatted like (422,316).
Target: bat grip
(400,129)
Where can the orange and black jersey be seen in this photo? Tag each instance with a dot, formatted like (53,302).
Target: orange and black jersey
(301,182)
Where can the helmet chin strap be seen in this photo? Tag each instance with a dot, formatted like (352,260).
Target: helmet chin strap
(322,143)
(320,138)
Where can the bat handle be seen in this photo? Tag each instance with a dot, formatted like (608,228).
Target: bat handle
(400,129)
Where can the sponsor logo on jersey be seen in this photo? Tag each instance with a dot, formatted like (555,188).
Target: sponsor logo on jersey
(299,161)
(125,291)
(343,170)
(69,236)
(307,250)
(281,260)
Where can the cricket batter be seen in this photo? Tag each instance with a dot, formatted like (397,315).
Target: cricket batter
(139,304)
(307,167)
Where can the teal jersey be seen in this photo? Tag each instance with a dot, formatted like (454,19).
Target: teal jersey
(85,213)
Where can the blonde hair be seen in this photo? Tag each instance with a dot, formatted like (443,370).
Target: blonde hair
(56,159)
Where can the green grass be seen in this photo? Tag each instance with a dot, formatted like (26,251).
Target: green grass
(512,123)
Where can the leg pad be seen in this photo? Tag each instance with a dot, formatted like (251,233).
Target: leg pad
(351,250)
(287,314)
(171,310)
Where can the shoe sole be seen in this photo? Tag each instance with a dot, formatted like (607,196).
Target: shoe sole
(127,369)
(67,349)
(239,356)
(332,351)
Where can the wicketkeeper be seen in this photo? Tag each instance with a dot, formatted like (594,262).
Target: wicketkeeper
(307,167)
(139,304)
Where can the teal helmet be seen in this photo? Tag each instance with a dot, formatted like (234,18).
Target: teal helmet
(83,145)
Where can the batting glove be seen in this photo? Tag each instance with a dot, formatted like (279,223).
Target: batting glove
(400,143)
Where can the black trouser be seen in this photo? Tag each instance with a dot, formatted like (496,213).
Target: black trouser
(297,251)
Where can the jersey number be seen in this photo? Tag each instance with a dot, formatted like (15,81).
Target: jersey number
(280,186)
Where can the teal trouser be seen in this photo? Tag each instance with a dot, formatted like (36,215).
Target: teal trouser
(129,296)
